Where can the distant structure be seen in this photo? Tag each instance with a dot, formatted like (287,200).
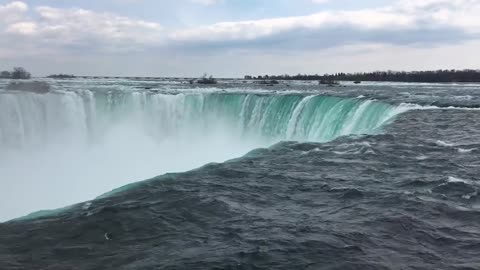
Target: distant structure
(18,73)
(207,79)
(248,77)
(61,76)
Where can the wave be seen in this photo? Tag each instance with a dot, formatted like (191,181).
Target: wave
(464,151)
(414,106)
(444,144)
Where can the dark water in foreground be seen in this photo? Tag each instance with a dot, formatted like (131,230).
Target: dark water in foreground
(404,199)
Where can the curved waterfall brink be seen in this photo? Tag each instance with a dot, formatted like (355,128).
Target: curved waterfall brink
(65,147)
(30,120)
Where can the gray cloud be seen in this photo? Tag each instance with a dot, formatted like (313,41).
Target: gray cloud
(407,22)
(75,28)
(74,35)
(314,39)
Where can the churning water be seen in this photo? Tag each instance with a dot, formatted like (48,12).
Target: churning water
(376,176)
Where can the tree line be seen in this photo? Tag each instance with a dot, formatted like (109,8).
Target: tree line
(438,76)
(18,73)
(61,76)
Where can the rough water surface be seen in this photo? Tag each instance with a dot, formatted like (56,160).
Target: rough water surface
(404,196)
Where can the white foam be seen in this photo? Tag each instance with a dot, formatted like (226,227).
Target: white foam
(464,151)
(452,179)
(311,151)
(412,106)
(87,205)
(444,144)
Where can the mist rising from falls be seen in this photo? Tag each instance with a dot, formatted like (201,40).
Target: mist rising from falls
(70,146)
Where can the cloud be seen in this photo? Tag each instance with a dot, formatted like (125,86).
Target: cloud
(73,26)
(251,30)
(24,28)
(206,2)
(462,14)
(12,12)
(406,22)
(80,28)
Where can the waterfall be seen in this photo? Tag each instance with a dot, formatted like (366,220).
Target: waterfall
(64,147)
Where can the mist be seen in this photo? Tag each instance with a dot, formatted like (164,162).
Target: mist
(65,154)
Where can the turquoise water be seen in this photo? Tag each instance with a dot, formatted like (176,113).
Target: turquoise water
(268,117)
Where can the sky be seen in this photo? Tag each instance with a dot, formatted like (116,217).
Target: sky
(232,38)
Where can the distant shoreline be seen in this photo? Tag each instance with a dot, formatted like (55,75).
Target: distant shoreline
(438,76)
(186,79)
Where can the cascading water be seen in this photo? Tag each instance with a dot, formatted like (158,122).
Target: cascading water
(32,120)
(64,147)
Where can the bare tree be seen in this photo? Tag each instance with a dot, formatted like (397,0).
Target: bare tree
(5,75)
(20,73)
